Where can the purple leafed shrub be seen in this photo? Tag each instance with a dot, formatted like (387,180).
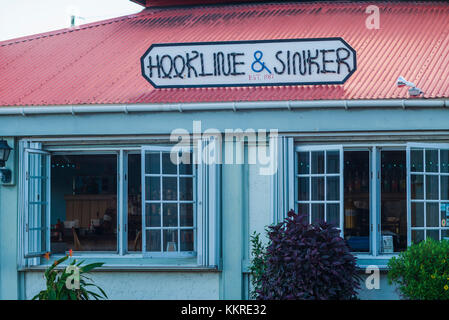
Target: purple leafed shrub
(307,261)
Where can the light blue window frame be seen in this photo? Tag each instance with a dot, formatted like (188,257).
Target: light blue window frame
(161,150)
(206,214)
(325,175)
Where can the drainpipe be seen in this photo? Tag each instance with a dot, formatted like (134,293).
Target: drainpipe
(222,106)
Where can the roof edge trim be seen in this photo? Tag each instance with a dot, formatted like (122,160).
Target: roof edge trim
(222,106)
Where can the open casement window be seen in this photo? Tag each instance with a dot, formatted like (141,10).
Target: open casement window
(168,216)
(36,201)
(180,211)
(428,191)
(319,185)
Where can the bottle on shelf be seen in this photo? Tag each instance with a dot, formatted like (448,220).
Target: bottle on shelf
(364,181)
(394,179)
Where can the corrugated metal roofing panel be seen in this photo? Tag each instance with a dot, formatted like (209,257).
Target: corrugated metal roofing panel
(99,63)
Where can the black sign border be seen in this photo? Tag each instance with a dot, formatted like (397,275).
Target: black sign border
(154,45)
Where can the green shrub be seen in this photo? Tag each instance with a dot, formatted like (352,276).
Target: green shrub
(422,272)
(257,266)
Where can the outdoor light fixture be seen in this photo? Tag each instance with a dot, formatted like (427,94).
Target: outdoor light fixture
(413,90)
(5,150)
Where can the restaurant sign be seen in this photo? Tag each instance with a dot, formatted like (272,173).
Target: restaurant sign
(249,63)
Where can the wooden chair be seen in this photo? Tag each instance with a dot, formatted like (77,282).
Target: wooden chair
(76,241)
(136,241)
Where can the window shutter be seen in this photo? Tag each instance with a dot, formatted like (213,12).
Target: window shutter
(208,206)
(282,183)
(36,200)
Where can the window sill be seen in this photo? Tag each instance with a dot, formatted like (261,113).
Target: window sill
(381,261)
(130,263)
(135,268)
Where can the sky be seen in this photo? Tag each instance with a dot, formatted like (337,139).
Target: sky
(20,18)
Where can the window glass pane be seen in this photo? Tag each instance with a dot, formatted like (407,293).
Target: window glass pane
(444,187)
(432,215)
(434,234)
(444,208)
(84,203)
(317,188)
(333,214)
(303,208)
(393,203)
(170,188)
(152,163)
(168,167)
(303,163)
(153,215)
(153,188)
(417,236)
(36,219)
(186,240)
(431,160)
(357,200)
(170,217)
(36,224)
(186,188)
(333,188)
(417,214)
(333,161)
(444,161)
(186,166)
(317,161)
(417,186)
(303,189)
(416,160)
(317,212)
(153,240)
(445,234)
(170,240)
(135,203)
(432,187)
(186,214)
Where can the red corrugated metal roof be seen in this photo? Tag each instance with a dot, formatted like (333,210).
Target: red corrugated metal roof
(164,3)
(99,63)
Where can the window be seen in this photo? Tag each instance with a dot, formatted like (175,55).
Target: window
(109,201)
(357,199)
(84,203)
(169,203)
(382,197)
(36,201)
(319,184)
(429,192)
(393,200)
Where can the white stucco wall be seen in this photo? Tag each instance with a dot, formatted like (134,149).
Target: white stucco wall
(259,199)
(385,291)
(144,285)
